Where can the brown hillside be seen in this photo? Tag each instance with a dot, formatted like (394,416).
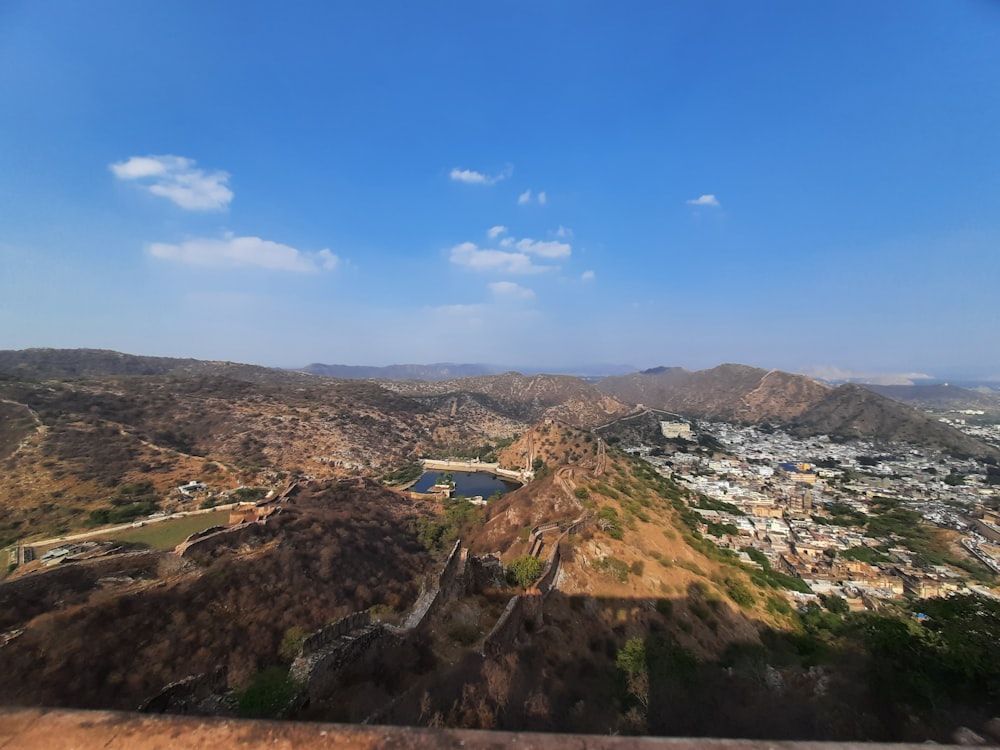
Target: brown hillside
(853,411)
(529,398)
(746,394)
(939,397)
(46,364)
(113,636)
(554,443)
(732,392)
(69,444)
(634,545)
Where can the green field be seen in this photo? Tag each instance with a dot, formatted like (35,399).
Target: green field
(170,533)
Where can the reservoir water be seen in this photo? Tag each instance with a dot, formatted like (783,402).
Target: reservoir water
(467,483)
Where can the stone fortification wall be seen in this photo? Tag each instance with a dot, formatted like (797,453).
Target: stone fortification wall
(484,572)
(448,585)
(327,651)
(332,632)
(196,694)
(210,542)
(207,541)
(521,609)
(551,570)
(548,577)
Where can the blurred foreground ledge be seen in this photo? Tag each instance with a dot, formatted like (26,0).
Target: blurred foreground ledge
(30,728)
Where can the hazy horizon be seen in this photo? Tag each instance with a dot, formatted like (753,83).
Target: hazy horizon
(791,186)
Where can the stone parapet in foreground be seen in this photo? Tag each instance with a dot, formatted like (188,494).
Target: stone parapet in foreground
(31,729)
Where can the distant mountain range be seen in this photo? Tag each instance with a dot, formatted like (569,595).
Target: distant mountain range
(481,401)
(452,371)
(87,363)
(941,397)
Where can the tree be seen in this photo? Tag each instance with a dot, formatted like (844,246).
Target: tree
(836,604)
(632,661)
(525,570)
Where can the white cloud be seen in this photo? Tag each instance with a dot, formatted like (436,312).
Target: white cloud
(587,276)
(514,257)
(510,290)
(472,177)
(544,249)
(494,232)
(469,255)
(527,197)
(243,252)
(704,200)
(564,232)
(178,179)
(328,260)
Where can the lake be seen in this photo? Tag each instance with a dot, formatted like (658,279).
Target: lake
(467,483)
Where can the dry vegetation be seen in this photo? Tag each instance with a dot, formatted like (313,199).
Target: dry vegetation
(334,549)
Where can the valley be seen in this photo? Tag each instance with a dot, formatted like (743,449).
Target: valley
(711,564)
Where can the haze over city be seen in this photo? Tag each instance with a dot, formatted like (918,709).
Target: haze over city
(812,188)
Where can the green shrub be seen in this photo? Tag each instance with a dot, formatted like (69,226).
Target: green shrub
(524,571)
(612,566)
(268,696)
(739,592)
(464,635)
(291,643)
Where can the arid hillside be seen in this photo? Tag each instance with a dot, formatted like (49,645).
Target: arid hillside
(746,394)
(113,632)
(732,392)
(852,411)
(940,397)
(45,364)
(528,398)
(67,445)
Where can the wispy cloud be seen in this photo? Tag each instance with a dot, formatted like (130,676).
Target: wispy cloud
(471,256)
(704,200)
(472,177)
(541,248)
(177,179)
(564,232)
(527,197)
(244,252)
(587,276)
(510,290)
(515,256)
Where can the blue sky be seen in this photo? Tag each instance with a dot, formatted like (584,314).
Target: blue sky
(783,184)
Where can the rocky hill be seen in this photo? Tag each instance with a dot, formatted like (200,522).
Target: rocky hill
(728,392)
(529,398)
(67,445)
(438,371)
(113,632)
(854,411)
(44,364)
(939,397)
(747,394)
